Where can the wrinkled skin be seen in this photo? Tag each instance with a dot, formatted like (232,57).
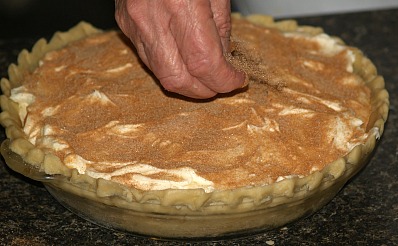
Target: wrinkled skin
(183,42)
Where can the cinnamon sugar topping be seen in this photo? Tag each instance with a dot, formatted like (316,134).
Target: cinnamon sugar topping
(302,109)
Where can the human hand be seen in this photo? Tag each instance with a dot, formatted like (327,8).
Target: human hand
(183,42)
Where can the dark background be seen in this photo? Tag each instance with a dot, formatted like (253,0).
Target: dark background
(38,18)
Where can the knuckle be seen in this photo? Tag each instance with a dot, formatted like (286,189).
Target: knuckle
(200,65)
(224,29)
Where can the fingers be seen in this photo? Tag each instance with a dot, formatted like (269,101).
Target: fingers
(126,19)
(201,49)
(183,43)
(221,15)
(168,65)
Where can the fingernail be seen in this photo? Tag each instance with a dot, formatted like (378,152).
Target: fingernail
(246,79)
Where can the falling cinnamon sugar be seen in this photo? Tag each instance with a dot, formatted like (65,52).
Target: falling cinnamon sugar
(244,59)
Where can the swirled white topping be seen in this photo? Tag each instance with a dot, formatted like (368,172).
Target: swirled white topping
(141,175)
(329,47)
(21,96)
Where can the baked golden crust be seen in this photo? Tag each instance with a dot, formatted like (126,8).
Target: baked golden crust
(321,183)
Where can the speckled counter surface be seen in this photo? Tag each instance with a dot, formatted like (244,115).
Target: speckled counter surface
(365,212)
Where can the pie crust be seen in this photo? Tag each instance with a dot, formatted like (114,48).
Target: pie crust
(184,213)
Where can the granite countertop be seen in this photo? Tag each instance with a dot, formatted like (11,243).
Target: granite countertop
(365,212)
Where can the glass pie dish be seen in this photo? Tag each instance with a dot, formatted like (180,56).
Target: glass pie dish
(184,213)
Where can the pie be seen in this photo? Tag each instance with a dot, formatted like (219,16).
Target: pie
(83,114)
